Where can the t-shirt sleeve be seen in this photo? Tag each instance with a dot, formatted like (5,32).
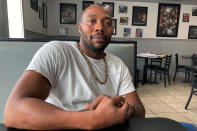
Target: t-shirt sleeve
(126,84)
(45,62)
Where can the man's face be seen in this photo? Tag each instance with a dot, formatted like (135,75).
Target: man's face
(96,28)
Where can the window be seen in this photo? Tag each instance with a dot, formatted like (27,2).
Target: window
(15,19)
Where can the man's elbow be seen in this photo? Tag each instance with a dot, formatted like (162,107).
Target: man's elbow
(7,118)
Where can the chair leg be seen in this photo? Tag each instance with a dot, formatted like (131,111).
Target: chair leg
(190,97)
(160,76)
(155,76)
(175,75)
(164,79)
(150,75)
(186,75)
(168,78)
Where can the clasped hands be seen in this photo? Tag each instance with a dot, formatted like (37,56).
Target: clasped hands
(109,111)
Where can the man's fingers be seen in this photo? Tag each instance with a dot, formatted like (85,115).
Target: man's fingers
(87,106)
(126,107)
(97,101)
(118,100)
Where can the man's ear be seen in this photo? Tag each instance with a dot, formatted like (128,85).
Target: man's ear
(79,26)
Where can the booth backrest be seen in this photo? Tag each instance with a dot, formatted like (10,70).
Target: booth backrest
(16,55)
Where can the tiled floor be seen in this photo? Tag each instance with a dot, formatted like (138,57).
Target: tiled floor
(169,102)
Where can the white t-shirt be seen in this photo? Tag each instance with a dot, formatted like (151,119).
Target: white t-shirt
(73,85)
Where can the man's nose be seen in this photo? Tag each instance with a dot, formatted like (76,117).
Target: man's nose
(99,27)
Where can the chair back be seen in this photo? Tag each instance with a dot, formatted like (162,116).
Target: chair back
(167,62)
(194,59)
(156,61)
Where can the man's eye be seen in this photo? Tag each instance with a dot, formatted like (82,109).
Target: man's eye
(92,21)
(108,23)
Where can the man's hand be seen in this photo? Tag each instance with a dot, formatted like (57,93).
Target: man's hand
(118,101)
(109,111)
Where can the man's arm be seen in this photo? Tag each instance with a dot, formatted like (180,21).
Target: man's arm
(136,108)
(133,99)
(26,108)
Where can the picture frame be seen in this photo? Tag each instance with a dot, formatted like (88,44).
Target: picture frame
(123,9)
(139,33)
(124,20)
(127,32)
(192,32)
(194,11)
(168,20)
(185,17)
(34,5)
(68,13)
(86,4)
(62,31)
(114,24)
(109,6)
(40,12)
(139,17)
(44,12)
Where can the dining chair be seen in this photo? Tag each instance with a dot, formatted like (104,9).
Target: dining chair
(194,59)
(193,89)
(193,64)
(154,64)
(164,70)
(181,68)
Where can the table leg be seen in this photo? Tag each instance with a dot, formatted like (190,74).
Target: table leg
(145,71)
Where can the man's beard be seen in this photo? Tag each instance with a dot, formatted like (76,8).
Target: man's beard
(89,44)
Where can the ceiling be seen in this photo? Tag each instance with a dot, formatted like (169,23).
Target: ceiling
(187,2)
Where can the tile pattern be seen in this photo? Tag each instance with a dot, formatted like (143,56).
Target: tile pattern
(169,102)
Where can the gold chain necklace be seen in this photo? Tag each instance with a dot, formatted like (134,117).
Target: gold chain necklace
(91,69)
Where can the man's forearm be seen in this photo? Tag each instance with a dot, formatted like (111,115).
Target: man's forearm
(35,114)
(138,110)
(133,99)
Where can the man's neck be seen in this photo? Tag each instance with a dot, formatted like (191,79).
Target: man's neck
(91,53)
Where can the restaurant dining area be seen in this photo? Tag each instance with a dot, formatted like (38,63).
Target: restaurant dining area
(160,98)
(155,39)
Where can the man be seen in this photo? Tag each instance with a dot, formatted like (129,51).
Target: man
(75,86)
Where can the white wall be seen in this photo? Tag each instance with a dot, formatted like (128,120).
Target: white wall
(184,26)
(31,18)
(33,23)
(149,31)
(54,17)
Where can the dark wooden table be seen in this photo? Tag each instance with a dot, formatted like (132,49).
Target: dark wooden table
(146,57)
(134,124)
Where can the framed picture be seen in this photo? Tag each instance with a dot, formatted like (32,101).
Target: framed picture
(123,9)
(127,32)
(86,4)
(44,11)
(185,17)
(139,32)
(192,32)
(62,31)
(114,24)
(109,6)
(139,16)
(40,12)
(194,11)
(34,5)
(168,20)
(124,20)
(68,13)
